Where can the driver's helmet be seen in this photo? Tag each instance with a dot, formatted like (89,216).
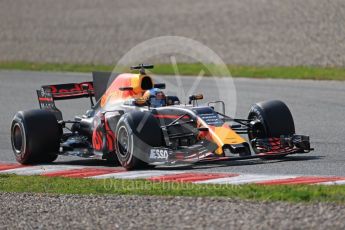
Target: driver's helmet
(155,97)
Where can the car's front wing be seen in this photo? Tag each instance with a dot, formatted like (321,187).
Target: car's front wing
(203,150)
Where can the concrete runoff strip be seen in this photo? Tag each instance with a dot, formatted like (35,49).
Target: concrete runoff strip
(182,176)
(136,174)
(245,179)
(38,170)
(338,182)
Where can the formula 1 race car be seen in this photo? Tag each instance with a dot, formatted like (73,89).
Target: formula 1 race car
(135,124)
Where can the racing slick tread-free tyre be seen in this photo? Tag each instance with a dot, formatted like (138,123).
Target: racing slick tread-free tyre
(35,136)
(136,133)
(275,120)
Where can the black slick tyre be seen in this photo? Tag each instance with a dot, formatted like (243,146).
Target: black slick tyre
(136,133)
(274,119)
(35,137)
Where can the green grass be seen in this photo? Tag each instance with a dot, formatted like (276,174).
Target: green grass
(283,72)
(54,67)
(59,185)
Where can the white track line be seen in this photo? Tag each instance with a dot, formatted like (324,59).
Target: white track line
(245,179)
(37,170)
(338,182)
(137,174)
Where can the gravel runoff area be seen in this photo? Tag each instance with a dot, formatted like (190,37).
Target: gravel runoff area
(250,32)
(40,211)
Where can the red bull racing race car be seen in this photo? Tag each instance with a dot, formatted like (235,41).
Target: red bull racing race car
(135,124)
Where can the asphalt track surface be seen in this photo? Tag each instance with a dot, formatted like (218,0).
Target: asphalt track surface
(250,32)
(317,106)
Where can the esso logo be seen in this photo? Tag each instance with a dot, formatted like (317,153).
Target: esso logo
(159,154)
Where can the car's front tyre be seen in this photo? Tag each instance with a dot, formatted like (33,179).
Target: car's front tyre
(273,119)
(136,133)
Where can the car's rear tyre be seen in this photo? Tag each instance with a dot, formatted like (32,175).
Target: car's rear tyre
(274,119)
(136,133)
(35,137)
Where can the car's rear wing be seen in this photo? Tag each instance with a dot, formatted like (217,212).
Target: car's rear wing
(50,93)
(69,91)
(93,89)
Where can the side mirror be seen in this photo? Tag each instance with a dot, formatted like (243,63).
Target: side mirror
(195,98)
